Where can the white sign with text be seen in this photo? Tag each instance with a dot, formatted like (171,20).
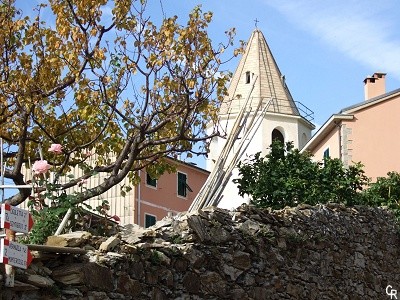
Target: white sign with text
(15,254)
(16,219)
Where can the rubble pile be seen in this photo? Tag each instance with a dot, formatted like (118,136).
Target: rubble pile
(294,253)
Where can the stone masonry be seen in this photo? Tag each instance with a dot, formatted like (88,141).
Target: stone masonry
(322,252)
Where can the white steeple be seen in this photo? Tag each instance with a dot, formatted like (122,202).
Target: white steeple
(285,119)
(259,61)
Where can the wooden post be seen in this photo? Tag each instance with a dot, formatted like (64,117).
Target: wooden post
(10,271)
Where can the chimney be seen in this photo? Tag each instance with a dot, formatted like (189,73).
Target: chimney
(374,85)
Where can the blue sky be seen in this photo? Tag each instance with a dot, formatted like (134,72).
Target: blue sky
(325,49)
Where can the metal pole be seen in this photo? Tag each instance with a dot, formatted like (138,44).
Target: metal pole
(2,169)
(138,199)
(11,186)
(63,222)
(10,271)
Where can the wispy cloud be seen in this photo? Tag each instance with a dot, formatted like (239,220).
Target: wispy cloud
(366,31)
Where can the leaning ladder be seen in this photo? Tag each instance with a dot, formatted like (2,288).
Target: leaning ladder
(211,192)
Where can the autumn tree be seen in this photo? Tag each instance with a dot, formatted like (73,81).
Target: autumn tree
(101,76)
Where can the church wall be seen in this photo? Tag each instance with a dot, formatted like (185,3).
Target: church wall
(303,134)
(231,198)
(288,125)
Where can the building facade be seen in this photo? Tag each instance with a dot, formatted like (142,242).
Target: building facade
(150,200)
(364,132)
(170,194)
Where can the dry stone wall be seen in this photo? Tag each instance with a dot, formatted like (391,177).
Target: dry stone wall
(322,252)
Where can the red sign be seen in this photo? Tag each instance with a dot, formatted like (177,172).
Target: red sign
(15,254)
(16,219)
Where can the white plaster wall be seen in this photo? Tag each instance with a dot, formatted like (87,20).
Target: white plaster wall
(306,130)
(292,129)
(231,198)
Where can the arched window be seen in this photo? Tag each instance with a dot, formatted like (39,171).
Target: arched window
(277,135)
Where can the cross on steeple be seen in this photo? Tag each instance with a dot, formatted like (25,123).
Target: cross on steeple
(256,21)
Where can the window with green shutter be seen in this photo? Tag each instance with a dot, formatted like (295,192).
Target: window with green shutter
(150,181)
(149,220)
(182,184)
(326,153)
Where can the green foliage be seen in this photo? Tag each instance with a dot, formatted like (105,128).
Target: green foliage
(296,237)
(48,218)
(385,192)
(341,184)
(266,233)
(286,177)
(176,239)
(155,257)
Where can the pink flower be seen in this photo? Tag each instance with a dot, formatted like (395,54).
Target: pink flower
(116,218)
(55,148)
(40,167)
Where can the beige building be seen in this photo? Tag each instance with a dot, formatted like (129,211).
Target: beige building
(364,132)
(259,79)
(149,201)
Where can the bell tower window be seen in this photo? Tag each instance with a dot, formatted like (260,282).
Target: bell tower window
(247,77)
(277,135)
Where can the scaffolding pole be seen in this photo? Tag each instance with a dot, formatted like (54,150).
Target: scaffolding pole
(209,186)
(246,122)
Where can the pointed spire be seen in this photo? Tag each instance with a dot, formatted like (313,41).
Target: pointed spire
(258,61)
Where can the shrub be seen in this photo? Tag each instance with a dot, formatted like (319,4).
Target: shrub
(286,177)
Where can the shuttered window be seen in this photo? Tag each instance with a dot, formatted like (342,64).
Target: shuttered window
(149,220)
(150,181)
(182,184)
(326,153)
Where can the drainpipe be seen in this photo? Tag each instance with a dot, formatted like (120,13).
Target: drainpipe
(138,200)
(340,140)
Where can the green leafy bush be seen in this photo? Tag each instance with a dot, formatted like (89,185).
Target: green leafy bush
(286,177)
(385,192)
(47,218)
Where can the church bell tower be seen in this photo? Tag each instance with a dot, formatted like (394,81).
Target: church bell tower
(258,79)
